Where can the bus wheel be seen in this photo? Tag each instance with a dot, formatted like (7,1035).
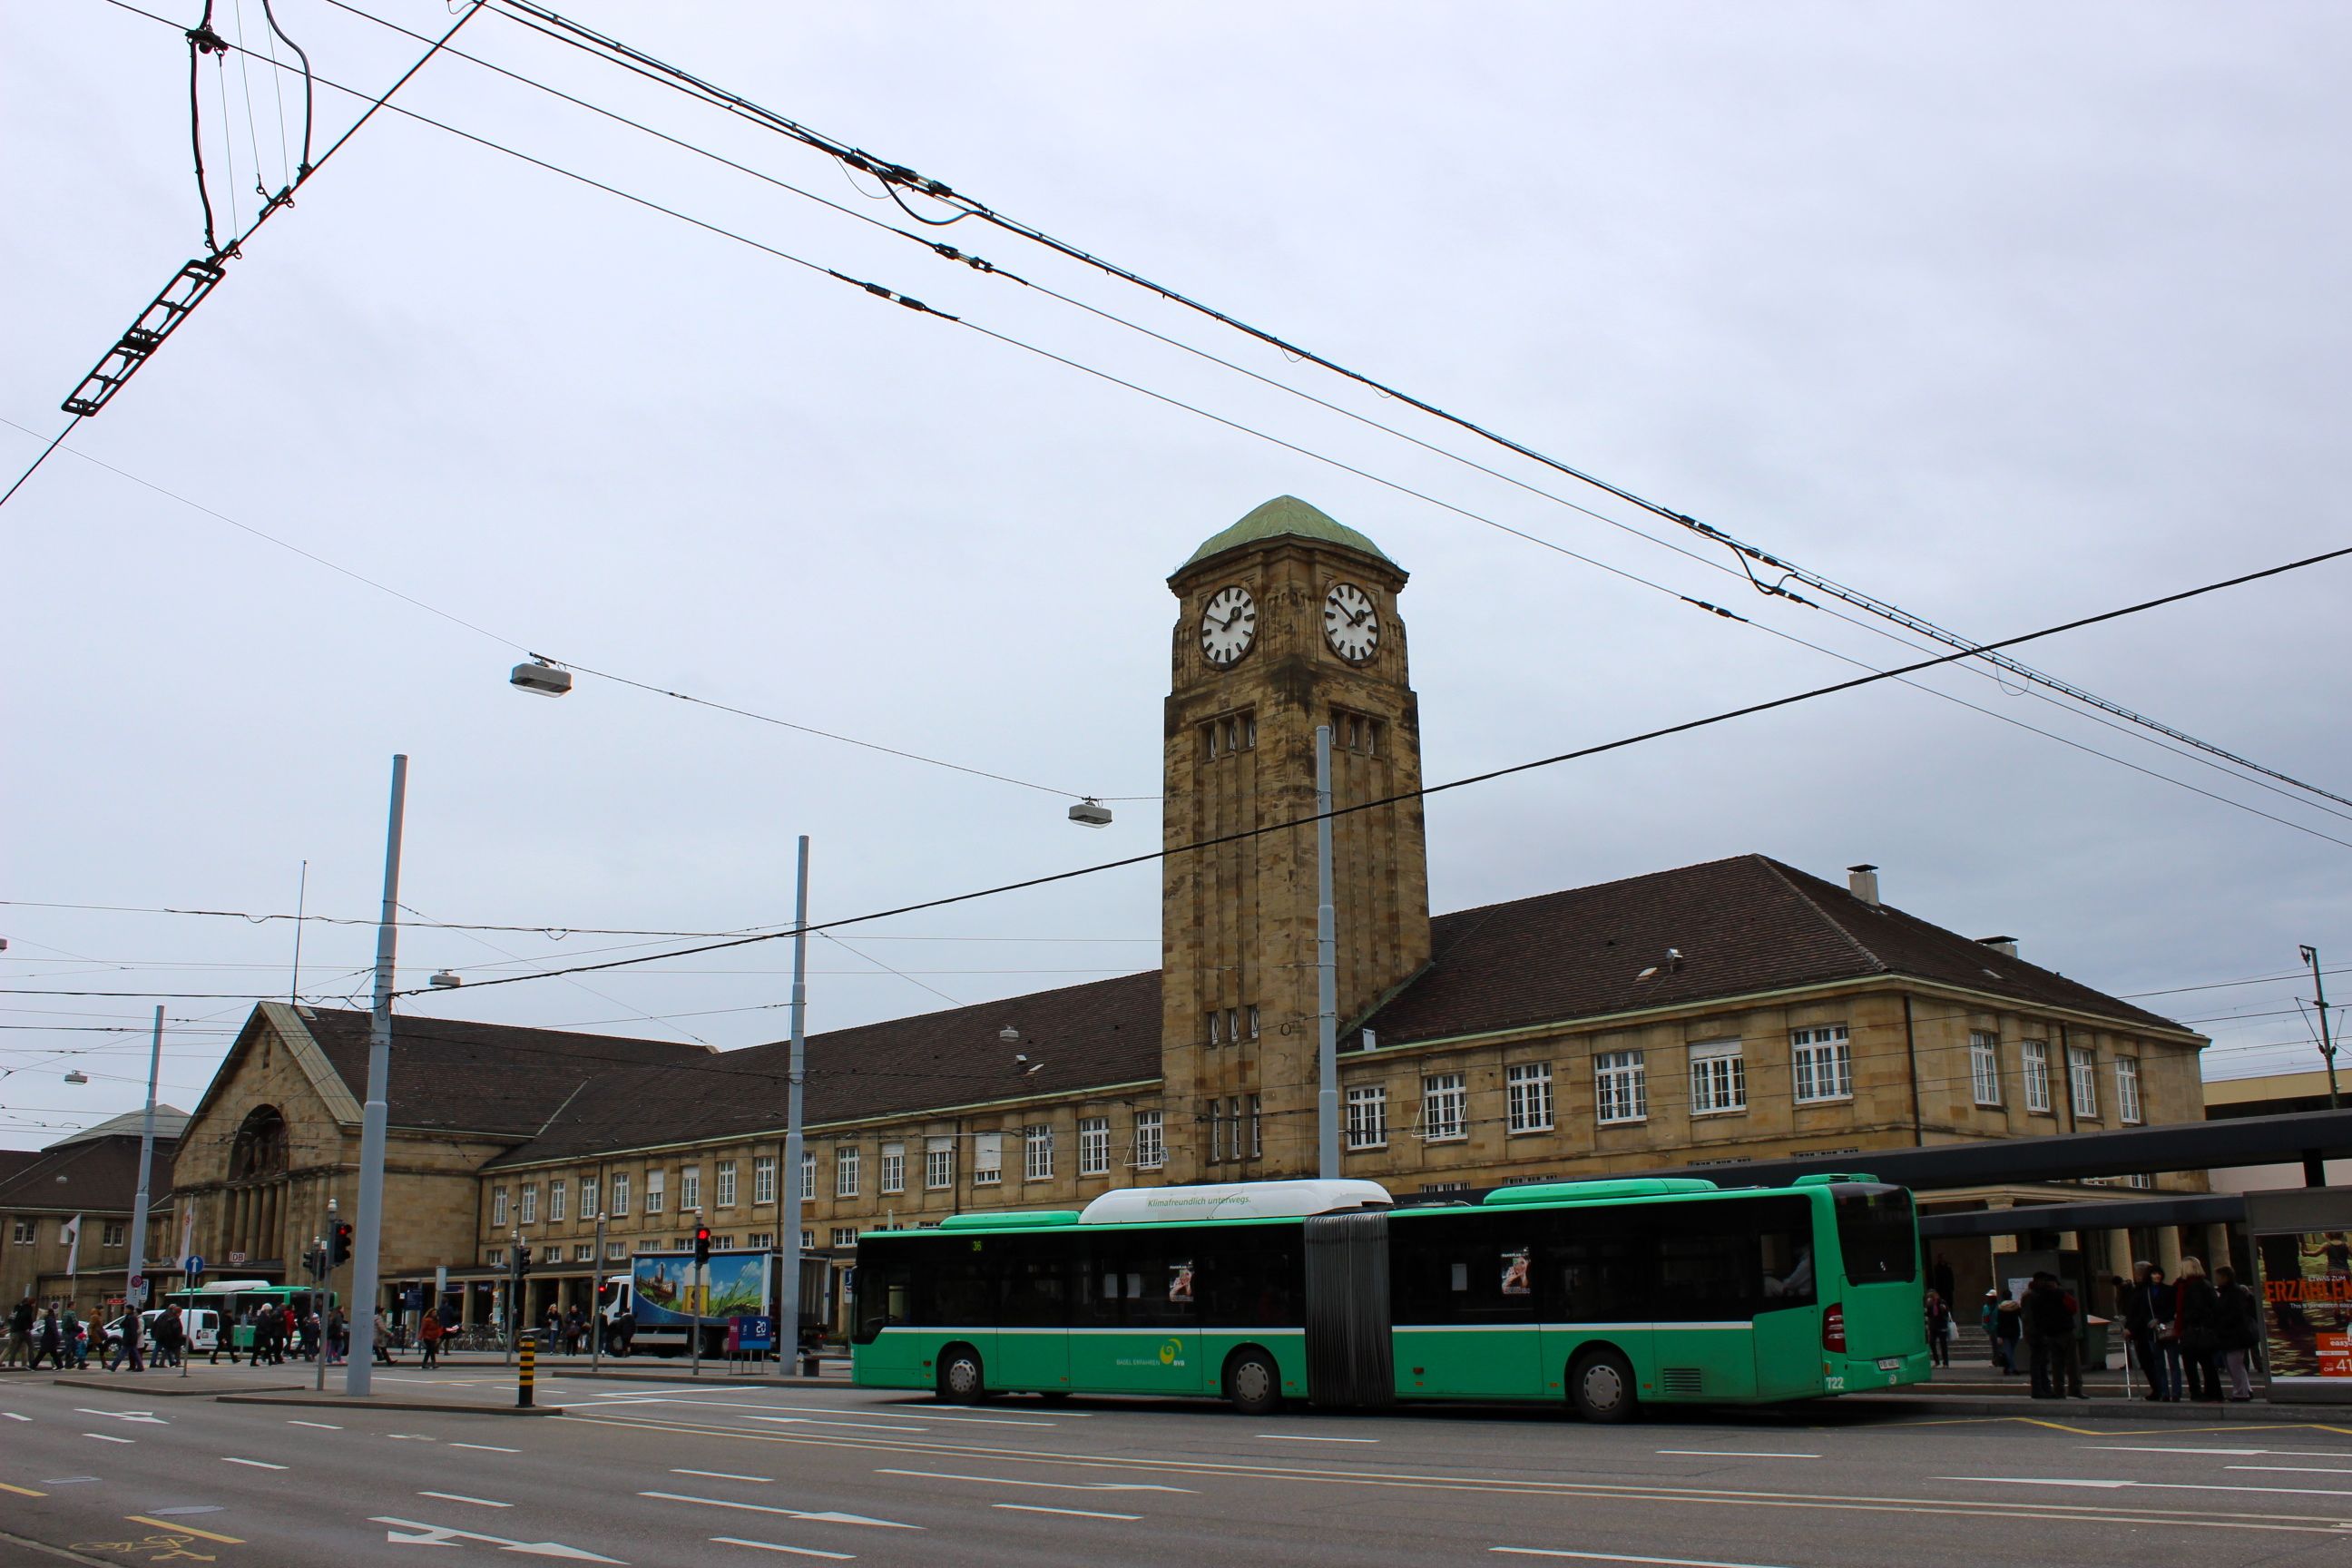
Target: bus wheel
(960,1381)
(1600,1387)
(1252,1383)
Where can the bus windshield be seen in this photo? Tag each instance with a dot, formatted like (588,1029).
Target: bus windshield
(1876,1235)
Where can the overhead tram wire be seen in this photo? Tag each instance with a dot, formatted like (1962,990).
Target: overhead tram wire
(897,176)
(1623,742)
(1404,489)
(1238,427)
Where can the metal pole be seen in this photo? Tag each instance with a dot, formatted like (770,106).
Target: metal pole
(693,1293)
(788,1292)
(596,1324)
(135,1295)
(368,1224)
(301,899)
(1327,969)
(514,1297)
(2327,1044)
(326,1270)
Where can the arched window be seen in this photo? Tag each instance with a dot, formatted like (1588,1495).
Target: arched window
(259,1148)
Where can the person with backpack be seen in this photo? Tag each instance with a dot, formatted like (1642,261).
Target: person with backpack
(2241,1331)
(77,1346)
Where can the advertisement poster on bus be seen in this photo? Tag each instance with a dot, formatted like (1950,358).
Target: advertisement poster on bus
(665,1295)
(2307,1303)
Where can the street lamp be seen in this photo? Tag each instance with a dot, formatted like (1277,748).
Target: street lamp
(2326,1042)
(541,677)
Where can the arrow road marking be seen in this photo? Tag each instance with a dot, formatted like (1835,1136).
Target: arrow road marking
(443,1535)
(147,1417)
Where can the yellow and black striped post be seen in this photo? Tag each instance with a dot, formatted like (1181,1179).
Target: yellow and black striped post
(527,1371)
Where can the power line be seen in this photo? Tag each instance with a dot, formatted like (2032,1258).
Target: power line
(895,176)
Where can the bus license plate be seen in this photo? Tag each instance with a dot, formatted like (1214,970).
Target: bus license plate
(1890,1363)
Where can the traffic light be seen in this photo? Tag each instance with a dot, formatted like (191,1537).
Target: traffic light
(340,1249)
(701,1245)
(522,1261)
(314,1262)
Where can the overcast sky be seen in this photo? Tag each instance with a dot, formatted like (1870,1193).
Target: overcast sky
(2006,315)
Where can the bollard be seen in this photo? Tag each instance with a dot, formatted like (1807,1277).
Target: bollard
(527,1371)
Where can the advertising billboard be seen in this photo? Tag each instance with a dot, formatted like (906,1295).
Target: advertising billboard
(664,1294)
(2306,1281)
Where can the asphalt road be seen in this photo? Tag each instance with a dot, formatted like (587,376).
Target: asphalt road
(671,1474)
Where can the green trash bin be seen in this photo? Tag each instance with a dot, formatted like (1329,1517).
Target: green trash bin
(2095,1345)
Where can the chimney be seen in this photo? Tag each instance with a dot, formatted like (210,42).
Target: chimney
(2004,945)
(1863,882)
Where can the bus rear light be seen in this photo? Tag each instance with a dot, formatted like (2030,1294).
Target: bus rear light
(1833,1328)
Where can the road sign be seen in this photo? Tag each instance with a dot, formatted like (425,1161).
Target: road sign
(749,1334)
(195,1269)
(237,1259)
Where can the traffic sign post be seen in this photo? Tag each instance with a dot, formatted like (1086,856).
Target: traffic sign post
(194,1269)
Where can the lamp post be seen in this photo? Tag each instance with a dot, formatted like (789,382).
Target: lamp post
(325,1254)
(134,1283)
(368,1233)
(788,1293)
(597,1323)
(2327,1041)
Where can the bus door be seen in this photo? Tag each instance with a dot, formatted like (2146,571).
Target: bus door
(1463,1285)
(1033,1339)
(1138,1323)
(1595,1279)
(1788,1307)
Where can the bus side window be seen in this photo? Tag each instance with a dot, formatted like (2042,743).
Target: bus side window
(1595,1269)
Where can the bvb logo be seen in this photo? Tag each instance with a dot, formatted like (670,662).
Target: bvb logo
(1169,1351)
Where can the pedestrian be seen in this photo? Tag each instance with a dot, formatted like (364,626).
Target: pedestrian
(2136,1297)
(20,1332)
(338,1336)
(122,1346)
(2241,1331)
(1939,1332)
(2009,1331)
(77,1346)
(575,1329)
(428,1335)
(171,1336)
(2200,1314)
(309,1330)
(50,1340)
(1946,1289)
(2050,1321)
(382,1340)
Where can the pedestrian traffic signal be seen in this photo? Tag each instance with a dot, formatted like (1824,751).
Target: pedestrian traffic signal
(341,1248)
(701,1245)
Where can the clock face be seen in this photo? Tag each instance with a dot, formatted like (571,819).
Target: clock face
(1352,621)
(1229,626)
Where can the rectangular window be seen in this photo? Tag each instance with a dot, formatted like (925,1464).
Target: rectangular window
(938,1164)
(1443,1108)
(1216,1130)
(587,1198)
(764,1179)
(556,1194)
(761,1240)
(497,1207)
(848,1171)
(844,1236)
(1037,1154)
(1527,1096)
(894,1167)
(1621,1087)
(496,1258)
(1150,1151)
(1258,1126)
(583,1252)
(689,1189)
(654,1194)
(1984,1066)
(808,1241)
(1216,1028)
(1718,1078)
(987,1159)
(2083,1077)
(726,1199)
(114,1235)
(620,1197)
(808,1176)
(2127,1088)
(1367,1117)
(616,1251)
(2036,1056)
(1823,1063)
(1094,1145)
(529,1205)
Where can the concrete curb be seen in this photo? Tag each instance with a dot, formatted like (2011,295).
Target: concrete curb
(2260,1412)
(345,1402)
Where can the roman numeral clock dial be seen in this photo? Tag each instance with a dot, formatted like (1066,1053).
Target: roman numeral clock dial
(1351,622)
(1228,626)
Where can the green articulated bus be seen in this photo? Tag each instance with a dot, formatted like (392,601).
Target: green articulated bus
(1608,1295)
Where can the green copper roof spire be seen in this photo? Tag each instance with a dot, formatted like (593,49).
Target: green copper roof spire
(1284,516)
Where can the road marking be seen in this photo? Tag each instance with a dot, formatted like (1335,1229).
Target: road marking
(775,1546)
(146,1418)
(1052,1486)
(410,1438)
(104,1438)
(25,1491)
(2292,1469)
(1287,1437)
(1072,1513)
(812,1421)
(461,1496)
(66,1480)
(2231,1453)
(195,1508)
(824,1518)
(443,1535)
(13,1417)
(257,1464)
(178,1528)
(486,1447)
(1735,1454)
(970,1420)
(1619,1557)
(321,1426)
(726,1476)
(2144,1486)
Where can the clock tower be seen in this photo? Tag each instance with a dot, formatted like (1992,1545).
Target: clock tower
(1287,620)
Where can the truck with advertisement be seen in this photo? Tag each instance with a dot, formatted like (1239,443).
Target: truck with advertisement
(664,1295)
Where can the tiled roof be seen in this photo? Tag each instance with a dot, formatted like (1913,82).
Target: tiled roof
(1075,1038)
(95,1174)
(481,1078)
(1744,925)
